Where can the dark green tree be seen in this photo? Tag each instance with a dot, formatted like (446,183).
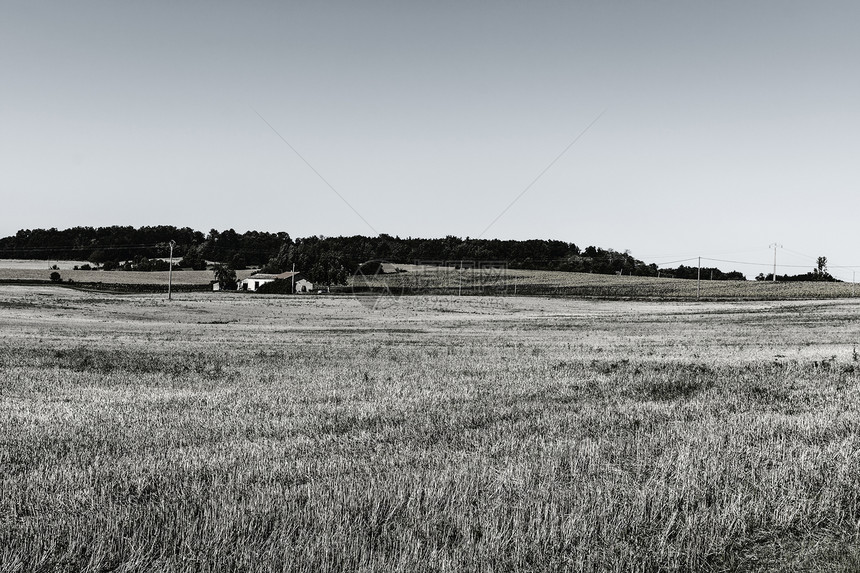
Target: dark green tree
(225,276)
(194,259)
(821,266)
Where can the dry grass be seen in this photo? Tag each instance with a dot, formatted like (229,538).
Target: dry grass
(428,279)
(230,432)
(39,264)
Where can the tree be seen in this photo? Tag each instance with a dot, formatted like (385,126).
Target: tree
(225,276)
(821,265)
(55,277)
(282,261)
(238,262)
(194,259)
(98,257)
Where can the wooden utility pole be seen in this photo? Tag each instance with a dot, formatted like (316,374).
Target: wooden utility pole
(775,246)
(698,278)
(170,271)
(460,280)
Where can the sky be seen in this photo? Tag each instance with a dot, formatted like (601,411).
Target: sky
(672,129)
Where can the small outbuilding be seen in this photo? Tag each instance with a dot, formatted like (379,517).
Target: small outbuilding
(304,285)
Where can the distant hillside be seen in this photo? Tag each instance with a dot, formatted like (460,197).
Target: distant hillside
(323,259)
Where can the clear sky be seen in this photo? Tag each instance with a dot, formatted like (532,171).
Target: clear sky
(726,126)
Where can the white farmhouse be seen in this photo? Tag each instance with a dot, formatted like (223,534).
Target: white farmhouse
(255,281)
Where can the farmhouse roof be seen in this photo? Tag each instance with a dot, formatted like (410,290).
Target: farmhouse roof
(286,275)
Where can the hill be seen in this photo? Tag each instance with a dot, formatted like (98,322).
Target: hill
(325,260)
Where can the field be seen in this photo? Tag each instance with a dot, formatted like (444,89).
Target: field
(230,432)
(179,277)
(39,264)
(437,281)
(493,281)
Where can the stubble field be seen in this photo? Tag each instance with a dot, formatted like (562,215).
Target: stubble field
(228,432)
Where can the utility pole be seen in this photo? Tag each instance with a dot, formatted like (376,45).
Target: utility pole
(775,246)
(294,279)
(698,278)
(460,280)
(170,271)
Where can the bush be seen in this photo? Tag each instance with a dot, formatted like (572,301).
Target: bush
(55,277)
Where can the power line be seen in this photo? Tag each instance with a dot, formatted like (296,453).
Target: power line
(673,262)
(82,248)
(245,251)
(751,263)
(545,169)
(799,254)
(318,174)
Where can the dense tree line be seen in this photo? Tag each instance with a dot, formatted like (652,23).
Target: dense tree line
(330,260)
(324,260)
(707,273)
(810,276)
(819,273)
(95,244)
(119,244)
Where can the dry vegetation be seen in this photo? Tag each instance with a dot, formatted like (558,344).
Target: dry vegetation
(428,279)
(223,432)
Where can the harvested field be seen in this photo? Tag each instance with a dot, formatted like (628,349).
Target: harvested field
(223,432)
(493,281)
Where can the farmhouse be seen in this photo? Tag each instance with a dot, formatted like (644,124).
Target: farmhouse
(255,281)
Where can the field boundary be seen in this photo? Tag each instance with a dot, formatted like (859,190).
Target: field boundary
(110,287)
(677,291)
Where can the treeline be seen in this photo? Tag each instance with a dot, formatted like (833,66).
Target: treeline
(274,250)
(97,244)
(819,273)
(706,273)
(325,260)
(810,276)
(116,245)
